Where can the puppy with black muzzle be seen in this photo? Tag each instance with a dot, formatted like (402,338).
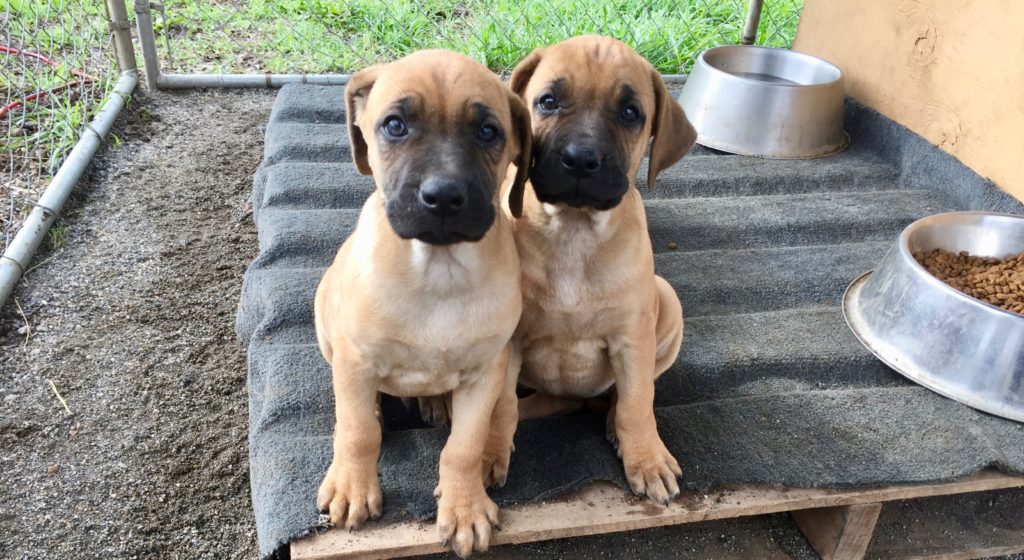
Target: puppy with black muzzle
(595,316)
(424,296)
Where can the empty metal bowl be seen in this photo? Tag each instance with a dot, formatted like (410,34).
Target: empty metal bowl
(764,102)
(935,335)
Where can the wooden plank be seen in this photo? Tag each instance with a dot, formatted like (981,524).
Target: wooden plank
(604,508)
(839,533)
(938,67)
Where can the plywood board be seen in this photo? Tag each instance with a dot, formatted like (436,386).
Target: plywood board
(950,70)
(604,508)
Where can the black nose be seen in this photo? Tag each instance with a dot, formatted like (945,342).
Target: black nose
(580,160)
(443,196)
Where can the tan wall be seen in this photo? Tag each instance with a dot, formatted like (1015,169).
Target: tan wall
(950,70)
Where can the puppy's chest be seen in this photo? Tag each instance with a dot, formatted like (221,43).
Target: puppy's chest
(571,275)
(578,281)
(433,348)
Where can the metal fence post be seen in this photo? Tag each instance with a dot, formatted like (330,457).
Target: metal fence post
(147,40)
(120,30)
(753,19)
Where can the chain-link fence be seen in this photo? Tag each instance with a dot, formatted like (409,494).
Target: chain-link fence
(56,67)
(58,64)
(340,36)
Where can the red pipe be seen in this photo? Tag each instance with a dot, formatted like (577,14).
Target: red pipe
(85,78)
(41,94)
(47,60)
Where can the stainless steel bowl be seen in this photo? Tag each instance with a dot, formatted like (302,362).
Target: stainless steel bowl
(764,102)
(936,335)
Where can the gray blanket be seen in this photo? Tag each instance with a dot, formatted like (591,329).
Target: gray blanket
(770,386)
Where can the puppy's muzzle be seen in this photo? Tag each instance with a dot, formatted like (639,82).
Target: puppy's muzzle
(443,197)
(581,174)
(440,209)
(581,160)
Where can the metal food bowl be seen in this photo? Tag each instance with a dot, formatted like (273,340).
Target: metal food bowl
(935,335)
(772,103)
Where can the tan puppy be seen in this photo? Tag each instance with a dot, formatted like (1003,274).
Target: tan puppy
(594,313)
(424,296)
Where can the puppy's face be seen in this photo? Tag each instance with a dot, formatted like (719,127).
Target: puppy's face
(595,106)
(437,131)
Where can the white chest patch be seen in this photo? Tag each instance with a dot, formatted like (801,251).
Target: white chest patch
(578,236)
(446,268)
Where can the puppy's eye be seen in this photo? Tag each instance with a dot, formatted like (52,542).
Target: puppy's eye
(487,133)
(548,102)
(630,113)
(395,127)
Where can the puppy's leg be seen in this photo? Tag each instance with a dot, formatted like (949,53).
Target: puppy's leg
(669,327)
(504,419)
(542,404)
(464,511)
(650,468)
(350,492)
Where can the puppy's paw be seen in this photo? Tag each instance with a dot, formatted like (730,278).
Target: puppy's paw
(436,411)
(465,515)
(350,494)
(609,433)
(652,471)
(495,467)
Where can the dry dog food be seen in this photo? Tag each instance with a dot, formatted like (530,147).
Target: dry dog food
(996,281)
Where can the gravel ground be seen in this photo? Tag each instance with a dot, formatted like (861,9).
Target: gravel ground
(132,320)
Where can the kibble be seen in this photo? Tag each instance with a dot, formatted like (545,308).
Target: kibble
(999,282)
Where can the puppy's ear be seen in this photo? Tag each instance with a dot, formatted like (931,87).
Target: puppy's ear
(356,92)
(523,72)
(672,133)
(524,138)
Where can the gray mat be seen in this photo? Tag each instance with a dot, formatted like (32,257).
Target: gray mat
(770,387)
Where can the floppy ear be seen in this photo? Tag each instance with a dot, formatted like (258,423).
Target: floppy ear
(356,92)
(524,138)
(523,72)
(673,134)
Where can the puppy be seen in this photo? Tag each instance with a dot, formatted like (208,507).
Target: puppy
(595,316)
(424,296)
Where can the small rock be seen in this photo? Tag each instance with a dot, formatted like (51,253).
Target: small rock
(10,398)
(23,329)
(53,469)
(673,245)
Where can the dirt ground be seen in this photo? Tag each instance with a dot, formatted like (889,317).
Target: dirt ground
(132,320)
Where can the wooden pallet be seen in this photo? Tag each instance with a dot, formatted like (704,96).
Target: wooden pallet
(838,523)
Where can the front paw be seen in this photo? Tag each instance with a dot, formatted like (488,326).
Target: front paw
(651,470)
(350,493)
(465,515)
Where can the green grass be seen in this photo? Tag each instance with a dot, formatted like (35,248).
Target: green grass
(331,36)
(57,233)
